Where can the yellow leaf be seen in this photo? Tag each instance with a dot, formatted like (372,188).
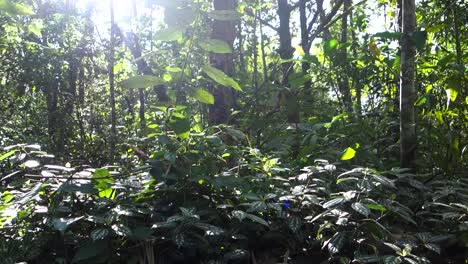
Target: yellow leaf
(348,154)
(374,50)
(299,50)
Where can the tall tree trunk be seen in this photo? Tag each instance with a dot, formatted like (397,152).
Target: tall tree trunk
(141,91)
(287,97)
(52,111)
(407,87)
(304,41)
(224,96)
(356,75)
(111,82)
(286,50)
(344,82)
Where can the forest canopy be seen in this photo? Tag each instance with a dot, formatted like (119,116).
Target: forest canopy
(233,131)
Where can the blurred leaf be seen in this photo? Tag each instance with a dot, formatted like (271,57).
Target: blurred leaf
(377,207)
(391,260)
(419,38)
(451,95)
(204,96)
(335,243)
(15,8)
(299,50)
(168,34)
(330,46)
(71,187)
(30,195)
(31,164)
(35,27)
(141,233)
(7,154)
(220,77)
(141,81)
(348,154)
(333,202)
(257,219)
(215,46)
(90,250)
(361,208)
(181,127)
(98,234)
(61,224)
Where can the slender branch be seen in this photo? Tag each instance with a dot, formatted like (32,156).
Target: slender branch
(328,22)
(264,22)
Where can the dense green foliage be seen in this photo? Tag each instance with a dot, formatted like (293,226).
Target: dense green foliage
(205,136)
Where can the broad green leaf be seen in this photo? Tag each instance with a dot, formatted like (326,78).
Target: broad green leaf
(61,224)
(346,179)
(141,81)
(30,195)
(333,202)
(451,95)
(377,207)
(335,243)
(257,219)
(204,96)
(348,154)
(173,69)
(108,193)
(75,187)
(168,34)
(7,154)
(167,77)
(391,260)
(224,15)
(31,164)
(383,180)
(15,8)
(421,100)
(436,28)
(330,46)
(419,38)
(100,233)
(209,229)
(300,50)
(236,254)
(90,250)
(141,233)
(181,127)
(220,77)
(35,27)
(177,17)
(215,46)
(361,208)
(367,259)
(297,81)
(101,173)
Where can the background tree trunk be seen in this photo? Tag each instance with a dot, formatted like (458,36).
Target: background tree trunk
(224,96)
(111,81)
(407,87)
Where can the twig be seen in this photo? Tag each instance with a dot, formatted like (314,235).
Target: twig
(250,13)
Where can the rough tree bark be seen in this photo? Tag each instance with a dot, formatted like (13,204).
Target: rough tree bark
(224,96)
(286,51)
(407,87)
